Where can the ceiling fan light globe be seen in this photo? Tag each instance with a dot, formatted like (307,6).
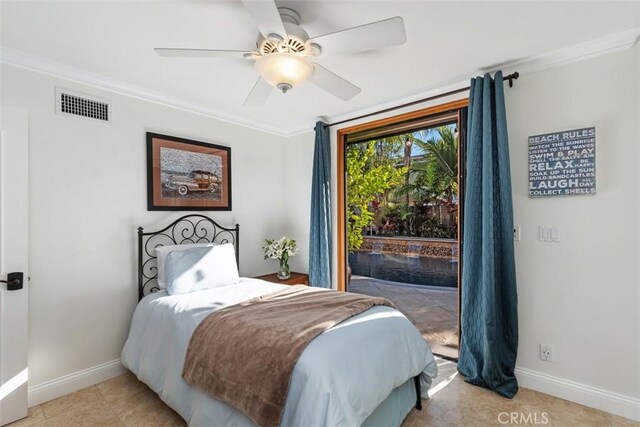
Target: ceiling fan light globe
(285,69)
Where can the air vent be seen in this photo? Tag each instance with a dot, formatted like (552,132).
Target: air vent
(81,105)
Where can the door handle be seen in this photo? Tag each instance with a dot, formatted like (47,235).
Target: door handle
(14,281)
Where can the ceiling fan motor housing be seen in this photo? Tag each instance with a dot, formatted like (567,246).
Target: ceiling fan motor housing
(296,42)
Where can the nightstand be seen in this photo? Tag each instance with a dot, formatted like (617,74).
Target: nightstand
(295,279)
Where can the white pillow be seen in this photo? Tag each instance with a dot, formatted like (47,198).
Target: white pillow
(161,256)
(201,268)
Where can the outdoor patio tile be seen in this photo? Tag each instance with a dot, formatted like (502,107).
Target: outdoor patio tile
(364,285)
(373,291)
(448,328)
(433,312)
(453,309)
(435,315)
(441,297)
(359,285)
(427,301)
(397,290)
(404,300)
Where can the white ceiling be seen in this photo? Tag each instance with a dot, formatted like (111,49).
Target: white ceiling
(445,41)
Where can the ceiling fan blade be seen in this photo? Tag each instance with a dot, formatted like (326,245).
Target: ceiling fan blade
(200,53)
(265,15)
(333,83)
(259,94)
(375,35)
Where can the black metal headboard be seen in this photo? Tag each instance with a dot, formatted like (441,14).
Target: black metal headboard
(187,229)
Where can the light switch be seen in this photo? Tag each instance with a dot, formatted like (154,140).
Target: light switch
(544,233)
(549,233)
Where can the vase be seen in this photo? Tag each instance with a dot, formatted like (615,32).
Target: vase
(283,272)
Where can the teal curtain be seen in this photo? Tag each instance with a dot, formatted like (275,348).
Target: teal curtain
(320,246)
(489,316)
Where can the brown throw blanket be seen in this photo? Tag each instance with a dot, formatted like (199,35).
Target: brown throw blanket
(244,354)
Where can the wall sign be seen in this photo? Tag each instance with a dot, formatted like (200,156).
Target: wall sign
(563,163)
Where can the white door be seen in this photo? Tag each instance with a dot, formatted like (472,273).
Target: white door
(14,198)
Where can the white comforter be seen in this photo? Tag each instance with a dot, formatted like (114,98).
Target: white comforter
(340,378)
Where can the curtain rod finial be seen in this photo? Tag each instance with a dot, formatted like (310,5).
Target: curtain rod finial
(321,119)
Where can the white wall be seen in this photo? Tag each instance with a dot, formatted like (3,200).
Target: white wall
(299,161)
(582,295)
(88,195)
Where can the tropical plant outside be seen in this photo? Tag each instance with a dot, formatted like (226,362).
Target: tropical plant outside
(403,186)
(371,175)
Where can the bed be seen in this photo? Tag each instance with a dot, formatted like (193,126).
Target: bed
(370,369)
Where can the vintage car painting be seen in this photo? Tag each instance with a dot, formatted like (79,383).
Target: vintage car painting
(187,175)
(196,181)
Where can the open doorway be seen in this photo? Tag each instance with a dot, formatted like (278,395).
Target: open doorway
(401,212)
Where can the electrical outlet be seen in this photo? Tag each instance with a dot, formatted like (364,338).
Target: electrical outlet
(545,353)
(516,233)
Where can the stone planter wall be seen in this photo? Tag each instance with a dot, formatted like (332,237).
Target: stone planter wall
(438,248)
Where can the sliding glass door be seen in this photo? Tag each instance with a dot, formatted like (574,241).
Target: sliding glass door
(400,186)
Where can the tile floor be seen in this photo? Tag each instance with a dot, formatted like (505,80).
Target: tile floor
(121,401)
(124,401)
(433,311)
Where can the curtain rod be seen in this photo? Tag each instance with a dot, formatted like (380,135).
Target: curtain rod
(510,77)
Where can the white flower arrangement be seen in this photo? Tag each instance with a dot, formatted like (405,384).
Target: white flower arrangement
(280,249)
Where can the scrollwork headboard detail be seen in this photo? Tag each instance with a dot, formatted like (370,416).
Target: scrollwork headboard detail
(187,229)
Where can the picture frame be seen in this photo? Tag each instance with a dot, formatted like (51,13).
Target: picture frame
(183,174)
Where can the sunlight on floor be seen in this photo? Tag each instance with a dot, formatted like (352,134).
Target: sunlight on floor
(447,372)
(433,391)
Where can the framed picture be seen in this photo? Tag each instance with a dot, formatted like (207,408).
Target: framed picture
(187,175)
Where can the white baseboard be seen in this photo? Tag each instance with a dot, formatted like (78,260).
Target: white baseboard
(73,382)
(603,400)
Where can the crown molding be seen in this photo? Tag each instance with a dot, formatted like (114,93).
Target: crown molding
(590,49)
(608,44)
(55,69)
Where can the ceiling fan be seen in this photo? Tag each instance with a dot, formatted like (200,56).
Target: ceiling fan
(285,51)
